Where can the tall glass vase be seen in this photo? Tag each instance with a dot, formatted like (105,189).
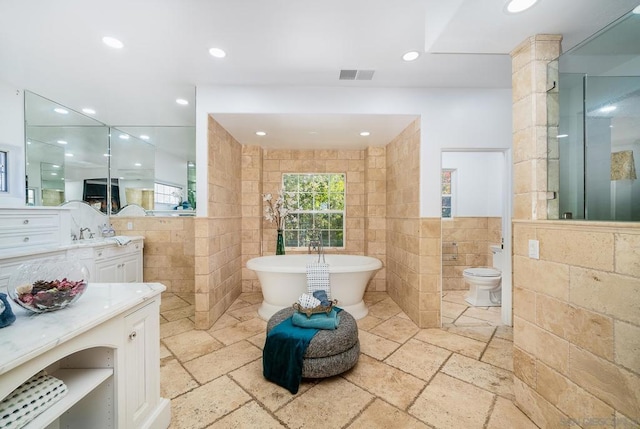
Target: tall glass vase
(280,243)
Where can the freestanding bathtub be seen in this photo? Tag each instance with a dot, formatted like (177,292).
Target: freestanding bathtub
(283,279)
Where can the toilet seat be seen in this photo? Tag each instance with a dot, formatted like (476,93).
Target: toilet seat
(482,272)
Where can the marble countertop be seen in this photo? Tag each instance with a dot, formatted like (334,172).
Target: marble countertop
(93,242)
(33,334)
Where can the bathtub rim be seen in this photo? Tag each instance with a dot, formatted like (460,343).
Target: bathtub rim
(266,263)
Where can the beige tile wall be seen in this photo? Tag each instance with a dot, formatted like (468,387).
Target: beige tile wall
(252,212)
(413,244)
(577,308)
(351,162)
(218,238)
(465,243)
(375,201)
(577,322)
(169,250)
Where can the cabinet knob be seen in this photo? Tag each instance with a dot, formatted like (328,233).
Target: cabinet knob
(25,239)
(132,335)
(26,221)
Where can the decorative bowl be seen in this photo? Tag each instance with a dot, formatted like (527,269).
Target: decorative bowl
(48,285)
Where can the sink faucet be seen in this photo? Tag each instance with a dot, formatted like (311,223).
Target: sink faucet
(82,230)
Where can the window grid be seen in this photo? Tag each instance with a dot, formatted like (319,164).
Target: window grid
(167,194)
(447,193)
(320,202)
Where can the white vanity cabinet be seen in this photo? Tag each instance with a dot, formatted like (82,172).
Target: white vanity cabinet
(26,229)
(119,264)
(105,348)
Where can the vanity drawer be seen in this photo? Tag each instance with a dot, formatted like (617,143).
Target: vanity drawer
(44,237)
(115,251)
(15,221)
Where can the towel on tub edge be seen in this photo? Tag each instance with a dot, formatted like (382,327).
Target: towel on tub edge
(318,278)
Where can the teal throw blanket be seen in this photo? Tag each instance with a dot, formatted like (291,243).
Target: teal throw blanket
(283,354)
(318,320)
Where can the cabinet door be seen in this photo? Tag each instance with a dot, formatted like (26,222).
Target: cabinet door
(107,271)
(142,364)
(131,269)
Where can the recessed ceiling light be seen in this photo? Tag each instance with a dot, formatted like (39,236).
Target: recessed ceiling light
(261,133)
(106,154)
(607,109)
(561,136)
(182,101)
(217,52)
(89,111)
(144,137)
(55,166)
(62,142)
(112,42)
(69,154)
(124,136)
(29,142)
(517,6)
(61,110)
(411,56)
(54,174)
(191,164)
(365,133)
(137,164)
(636,10)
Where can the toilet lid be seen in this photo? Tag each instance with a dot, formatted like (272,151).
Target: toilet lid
(483,272)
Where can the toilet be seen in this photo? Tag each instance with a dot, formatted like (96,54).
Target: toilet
(485,283)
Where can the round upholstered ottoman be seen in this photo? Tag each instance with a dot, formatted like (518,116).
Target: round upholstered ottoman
(330,352)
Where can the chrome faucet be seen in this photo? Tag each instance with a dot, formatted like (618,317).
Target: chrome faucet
(82,230)
(315,242)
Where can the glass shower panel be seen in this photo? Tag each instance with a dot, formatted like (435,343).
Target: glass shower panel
(612,149)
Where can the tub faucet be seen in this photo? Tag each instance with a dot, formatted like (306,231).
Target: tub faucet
(315,243)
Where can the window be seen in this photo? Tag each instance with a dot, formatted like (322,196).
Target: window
(320,200)
(447,193)
(167,194)
(3,172)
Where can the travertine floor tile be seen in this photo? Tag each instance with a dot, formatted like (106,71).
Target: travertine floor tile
(251,297)
(491,315)
(202,406)
(332,403)
(237,305)
(179,313)
(505,332)
(456,297)
(368,322)
(213,365)
(471,321)
(176,327)
(384,309)
(223,322)
(448,403)
(192,344)
(386,382)
(258,340)
(381,415)
(171,302)
(240,331)
(480,374)
(480,333)
(506,415)
(371,298)
(269,394)
(249,416)
(452,310)
(164,352)
(189,297)
(455,343)
(174,379)
(396,329)
(375,346)
(417,358)
(245,313)
(499,353)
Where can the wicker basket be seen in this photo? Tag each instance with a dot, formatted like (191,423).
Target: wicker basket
(315,310)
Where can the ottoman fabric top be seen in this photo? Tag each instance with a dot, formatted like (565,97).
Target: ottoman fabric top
(326,342)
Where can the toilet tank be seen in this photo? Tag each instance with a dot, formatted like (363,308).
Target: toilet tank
(497,257)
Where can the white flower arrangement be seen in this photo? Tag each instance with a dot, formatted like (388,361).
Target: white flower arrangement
(277,210)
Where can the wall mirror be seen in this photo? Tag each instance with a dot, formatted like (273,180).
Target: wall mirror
(71,157)
(594,132)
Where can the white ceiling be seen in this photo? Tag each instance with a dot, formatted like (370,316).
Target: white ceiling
(54,49)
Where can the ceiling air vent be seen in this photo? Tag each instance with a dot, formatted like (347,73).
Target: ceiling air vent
(356,74)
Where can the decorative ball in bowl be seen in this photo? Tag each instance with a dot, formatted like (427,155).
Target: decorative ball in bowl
(48,285)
